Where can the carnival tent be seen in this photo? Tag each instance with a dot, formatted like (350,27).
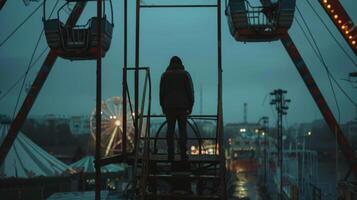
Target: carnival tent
(26,159)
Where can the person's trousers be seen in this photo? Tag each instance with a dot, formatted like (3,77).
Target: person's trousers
(179,115)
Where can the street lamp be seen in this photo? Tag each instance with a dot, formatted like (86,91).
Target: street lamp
(308,134)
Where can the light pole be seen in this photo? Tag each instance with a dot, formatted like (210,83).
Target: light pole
(303,137)
(280,103)
(265,130)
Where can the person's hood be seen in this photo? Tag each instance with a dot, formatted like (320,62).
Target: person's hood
(175,67)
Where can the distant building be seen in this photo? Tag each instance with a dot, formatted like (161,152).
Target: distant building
(242,129)
(79,125)
(49,119)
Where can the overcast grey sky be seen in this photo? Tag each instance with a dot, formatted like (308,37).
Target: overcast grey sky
(251,70)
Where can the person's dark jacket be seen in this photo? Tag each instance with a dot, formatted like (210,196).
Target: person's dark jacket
(176,89)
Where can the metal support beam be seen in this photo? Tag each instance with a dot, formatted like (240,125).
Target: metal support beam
(2,3)
(35,89)
(124,81)
(178,6)
(136,75)
(219,135)
(98,114)
(320,101)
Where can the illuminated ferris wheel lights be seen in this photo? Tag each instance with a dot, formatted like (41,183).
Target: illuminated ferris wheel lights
(117,123)
(111,125)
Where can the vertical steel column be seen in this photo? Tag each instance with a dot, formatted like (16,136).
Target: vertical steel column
(219,106)
(98,115)
(280,103)
(36,88)
(124,82)
(280,142)
(136,83)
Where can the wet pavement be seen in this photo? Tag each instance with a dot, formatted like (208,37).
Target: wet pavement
(245,186)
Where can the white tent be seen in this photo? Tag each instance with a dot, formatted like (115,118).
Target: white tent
(26,159)
(86,164)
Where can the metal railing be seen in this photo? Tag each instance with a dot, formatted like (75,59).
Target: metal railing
(257,17)
(141,145)
(195,129)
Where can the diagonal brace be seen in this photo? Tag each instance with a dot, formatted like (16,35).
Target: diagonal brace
(36,87)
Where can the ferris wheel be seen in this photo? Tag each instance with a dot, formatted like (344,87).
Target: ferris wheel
(112,127)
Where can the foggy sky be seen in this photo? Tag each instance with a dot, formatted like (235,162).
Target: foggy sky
(250,71)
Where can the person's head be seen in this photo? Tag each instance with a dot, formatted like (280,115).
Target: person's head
(175,60)
(175,64)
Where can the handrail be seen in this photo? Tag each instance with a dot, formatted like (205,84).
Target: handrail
(195,130)
(69,1)
(146,146)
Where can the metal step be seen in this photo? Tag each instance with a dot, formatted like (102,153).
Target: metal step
(191,158)
(180,196)
(183,176)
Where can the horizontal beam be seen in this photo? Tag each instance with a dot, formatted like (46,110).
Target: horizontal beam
(190,116)
(353,74)
(179,6)
(139,68)
(189,138)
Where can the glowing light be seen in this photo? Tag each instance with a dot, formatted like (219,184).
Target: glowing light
(335,16)
(325,1)
(353,42)
(347,32)
(343,26)
(350,37)
(193,148)
(263,133)
(243,130)
(210,151)
(309,133)
(339,21)
(117,122)
(328,6)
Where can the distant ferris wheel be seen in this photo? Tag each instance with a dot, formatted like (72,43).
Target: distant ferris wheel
(112,127)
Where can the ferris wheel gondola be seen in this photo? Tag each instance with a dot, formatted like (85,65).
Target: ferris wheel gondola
(264,23)
(77,42)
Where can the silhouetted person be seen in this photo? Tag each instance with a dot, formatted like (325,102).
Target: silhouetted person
(176,100)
